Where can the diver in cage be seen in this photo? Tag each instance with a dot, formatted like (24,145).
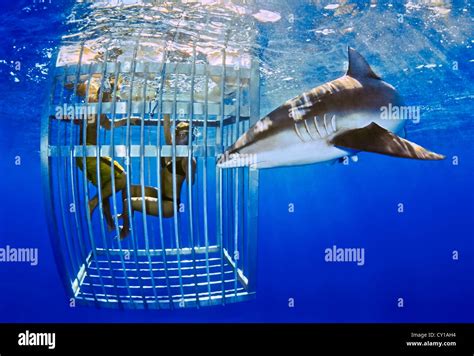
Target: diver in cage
(105,164)
(151,196)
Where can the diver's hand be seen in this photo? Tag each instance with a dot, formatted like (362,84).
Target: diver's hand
(124,232)
(135,121)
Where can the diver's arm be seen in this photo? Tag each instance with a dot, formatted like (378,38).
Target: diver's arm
(193,169)
(107,124)
(167,128)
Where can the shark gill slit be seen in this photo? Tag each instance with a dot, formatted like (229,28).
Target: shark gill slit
(315,119)
(298,132)
(309,131)
(333,123)
(325,125)
(316,133)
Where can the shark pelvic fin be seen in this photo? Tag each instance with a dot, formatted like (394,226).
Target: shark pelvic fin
(358,66)
(374,138)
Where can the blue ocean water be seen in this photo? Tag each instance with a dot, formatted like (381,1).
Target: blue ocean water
(426,53)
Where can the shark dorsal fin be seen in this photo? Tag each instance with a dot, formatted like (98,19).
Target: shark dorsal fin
(358,66)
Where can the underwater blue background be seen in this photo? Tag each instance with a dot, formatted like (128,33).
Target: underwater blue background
(407,255)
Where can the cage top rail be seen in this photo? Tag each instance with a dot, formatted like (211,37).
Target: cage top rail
(146,67)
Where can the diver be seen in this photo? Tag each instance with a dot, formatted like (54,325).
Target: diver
(105,164)
(152,197)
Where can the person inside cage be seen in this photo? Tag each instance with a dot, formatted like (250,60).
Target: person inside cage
(151,196)
(105,163)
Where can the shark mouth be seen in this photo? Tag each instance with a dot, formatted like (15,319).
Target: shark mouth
(236,160)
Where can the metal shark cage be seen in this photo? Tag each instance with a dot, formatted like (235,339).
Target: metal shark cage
(205,254)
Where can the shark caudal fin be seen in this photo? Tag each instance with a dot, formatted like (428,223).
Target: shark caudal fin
(374,138)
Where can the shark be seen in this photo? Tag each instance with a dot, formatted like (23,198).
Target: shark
(337,119)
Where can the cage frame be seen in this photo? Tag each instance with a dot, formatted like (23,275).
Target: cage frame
(49,152)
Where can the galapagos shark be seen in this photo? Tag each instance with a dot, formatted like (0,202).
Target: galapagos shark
(331,121)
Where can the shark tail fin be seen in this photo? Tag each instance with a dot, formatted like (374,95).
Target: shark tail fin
(374,138)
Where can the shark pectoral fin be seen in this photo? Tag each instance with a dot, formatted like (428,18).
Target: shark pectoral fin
(374,138)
